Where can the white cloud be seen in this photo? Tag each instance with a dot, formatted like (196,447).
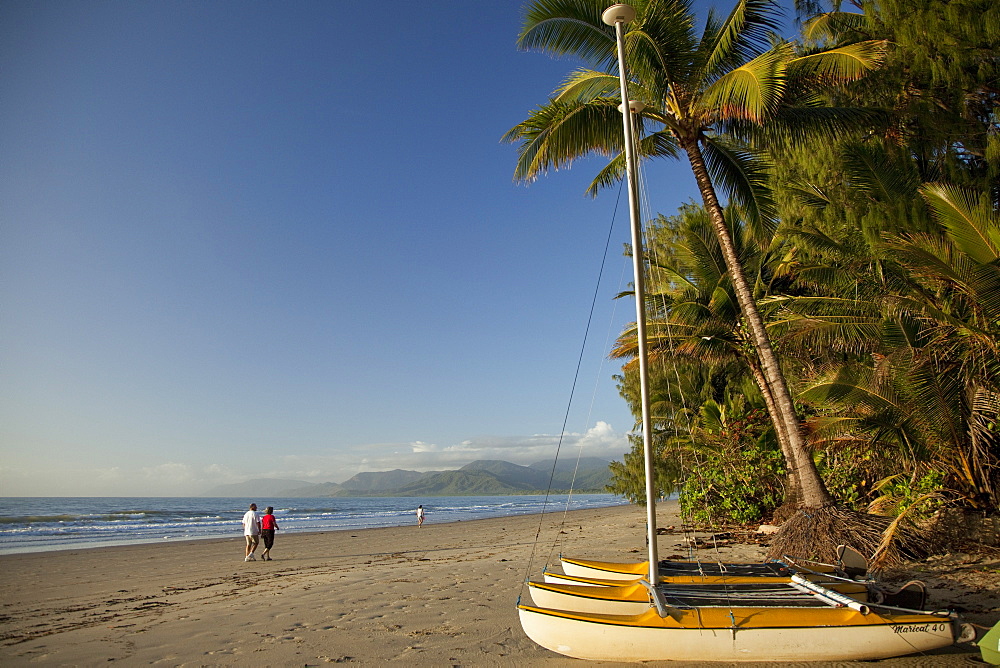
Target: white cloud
(176,478)
(420,446)
(601,440)
(169,472)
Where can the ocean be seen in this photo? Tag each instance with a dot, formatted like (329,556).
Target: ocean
(40,524)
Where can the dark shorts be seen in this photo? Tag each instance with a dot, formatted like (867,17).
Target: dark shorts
(268,536)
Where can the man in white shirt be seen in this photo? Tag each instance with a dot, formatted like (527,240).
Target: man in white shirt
(251,529)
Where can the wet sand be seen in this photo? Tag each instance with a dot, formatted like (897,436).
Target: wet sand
(439,595)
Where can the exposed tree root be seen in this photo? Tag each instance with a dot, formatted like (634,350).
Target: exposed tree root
(815,533)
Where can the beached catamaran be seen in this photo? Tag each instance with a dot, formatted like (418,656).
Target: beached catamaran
(653,619)
(634,598)
(849,564)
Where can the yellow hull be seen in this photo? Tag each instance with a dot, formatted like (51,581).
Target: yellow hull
(686,571)
(634,599)
(586,568)
(557,578)
(737,634)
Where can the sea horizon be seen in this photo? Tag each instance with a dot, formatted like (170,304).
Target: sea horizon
(50,523)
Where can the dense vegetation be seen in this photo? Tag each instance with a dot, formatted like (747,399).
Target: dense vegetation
(864,212)
(881,289)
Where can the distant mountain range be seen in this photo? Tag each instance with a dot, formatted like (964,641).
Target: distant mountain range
(487,477)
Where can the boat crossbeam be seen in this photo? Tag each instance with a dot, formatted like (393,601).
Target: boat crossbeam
(834,598)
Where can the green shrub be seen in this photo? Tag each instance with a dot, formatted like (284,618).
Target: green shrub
(733,485)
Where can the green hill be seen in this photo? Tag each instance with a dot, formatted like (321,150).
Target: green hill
(461,483)
(520,477)
(486,477)
(382,481)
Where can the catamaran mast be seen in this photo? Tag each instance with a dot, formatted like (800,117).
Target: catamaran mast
(617,16)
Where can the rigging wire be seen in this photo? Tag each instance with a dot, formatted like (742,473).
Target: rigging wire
(593,398)
(656,292)
(569,404)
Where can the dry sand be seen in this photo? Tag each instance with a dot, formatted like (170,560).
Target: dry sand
(440,595)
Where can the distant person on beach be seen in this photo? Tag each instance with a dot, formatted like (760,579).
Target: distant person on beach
(251,529)
(420,516)
(267,528)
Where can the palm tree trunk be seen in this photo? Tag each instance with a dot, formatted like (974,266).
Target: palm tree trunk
(814,492)
(793,488)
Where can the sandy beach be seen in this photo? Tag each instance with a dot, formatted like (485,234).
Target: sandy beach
(439,595)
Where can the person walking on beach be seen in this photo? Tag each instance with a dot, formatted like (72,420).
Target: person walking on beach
(420,516)
(267,528)
(251,529)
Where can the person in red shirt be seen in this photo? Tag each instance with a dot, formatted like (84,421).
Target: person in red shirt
(267,528)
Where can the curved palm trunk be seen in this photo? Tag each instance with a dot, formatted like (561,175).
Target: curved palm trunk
(813,491)
(793,489)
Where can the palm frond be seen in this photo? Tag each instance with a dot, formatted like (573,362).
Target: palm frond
(662,274)
(830,26)
(928,260)
(854,334)
(742,36)
(556,134)
(927,309)
(841,64)
(972,224)
(751,92)
(723,301)
(660,42)
(569,27)
(876,173)
(810,195)
(853,386)
(984,285)
(743,176)
(807,122)
(702,247)
(887,552)
(655,145)
(818,241)
(584,85)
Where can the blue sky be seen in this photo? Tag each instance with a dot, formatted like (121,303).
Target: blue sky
(247,239)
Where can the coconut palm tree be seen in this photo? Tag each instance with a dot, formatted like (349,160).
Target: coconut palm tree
(695,335)
(706,95)
(693,315)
